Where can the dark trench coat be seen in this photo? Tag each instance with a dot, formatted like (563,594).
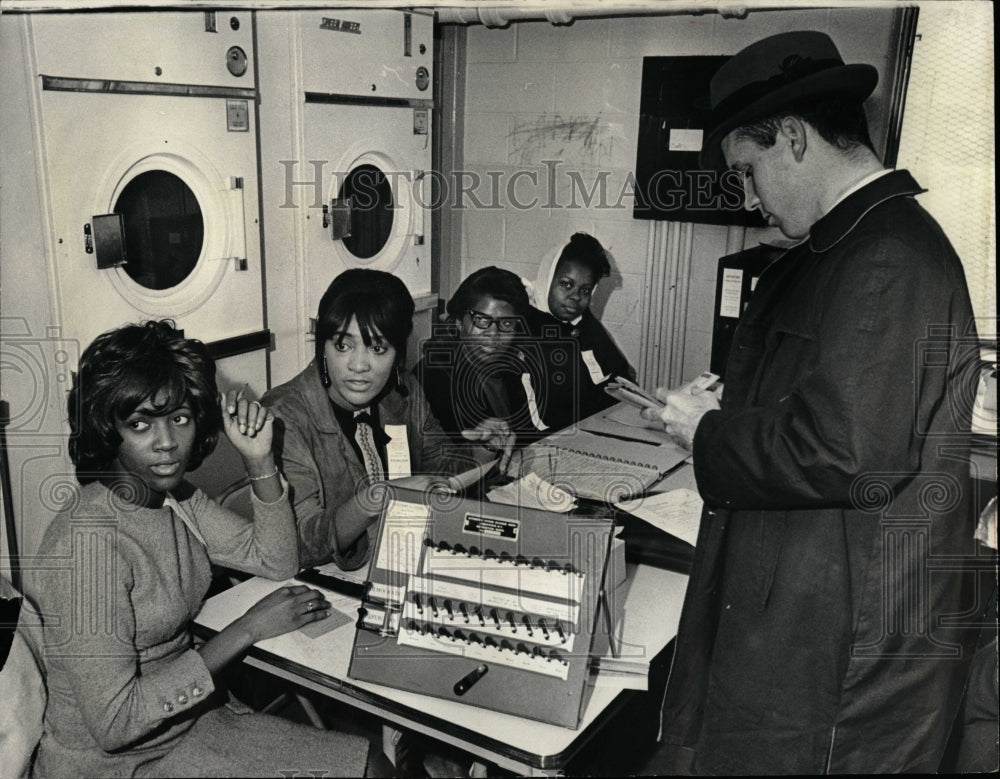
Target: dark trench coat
(822,626)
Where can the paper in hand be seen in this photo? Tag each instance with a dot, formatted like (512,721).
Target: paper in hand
(621,388)
(323,626)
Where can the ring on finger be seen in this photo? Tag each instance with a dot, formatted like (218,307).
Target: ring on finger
(309,607)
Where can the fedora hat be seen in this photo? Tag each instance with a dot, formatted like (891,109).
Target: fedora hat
(772,73)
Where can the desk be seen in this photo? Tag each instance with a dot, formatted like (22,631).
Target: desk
(647,609)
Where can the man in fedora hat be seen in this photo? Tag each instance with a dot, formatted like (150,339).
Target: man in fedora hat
(822,629)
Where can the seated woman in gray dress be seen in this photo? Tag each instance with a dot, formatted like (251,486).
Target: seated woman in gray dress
(129,692)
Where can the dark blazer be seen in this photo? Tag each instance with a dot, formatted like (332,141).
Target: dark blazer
(322,468)
(462,393)
(821,630)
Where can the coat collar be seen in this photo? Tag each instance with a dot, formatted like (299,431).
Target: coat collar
(834,226)
(316,399)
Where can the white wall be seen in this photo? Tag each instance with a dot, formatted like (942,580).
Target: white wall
(35,360)
(947,140)
(535,92)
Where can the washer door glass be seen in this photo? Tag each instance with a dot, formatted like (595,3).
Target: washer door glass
(371,210)
(164,229)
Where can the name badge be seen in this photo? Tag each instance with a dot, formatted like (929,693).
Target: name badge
(597,374)
(529,391)
(398,451)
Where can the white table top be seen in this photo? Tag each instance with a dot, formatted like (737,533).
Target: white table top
(647,611)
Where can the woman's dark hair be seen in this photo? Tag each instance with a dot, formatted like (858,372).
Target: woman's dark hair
(123,368)
(491,282)
(378,300)
(586,250)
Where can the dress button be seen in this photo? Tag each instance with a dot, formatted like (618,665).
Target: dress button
(196,691)
(182,699)
(168,707)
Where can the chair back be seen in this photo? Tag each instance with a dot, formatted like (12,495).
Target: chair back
(23,692)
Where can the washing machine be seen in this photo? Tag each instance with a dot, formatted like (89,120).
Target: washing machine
(147,123)
(150,154)
(366,82)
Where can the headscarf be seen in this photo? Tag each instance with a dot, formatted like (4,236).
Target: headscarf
(538,290)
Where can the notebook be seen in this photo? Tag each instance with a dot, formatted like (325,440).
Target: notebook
(604,466)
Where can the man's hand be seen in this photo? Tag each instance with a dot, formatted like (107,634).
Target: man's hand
(682,410)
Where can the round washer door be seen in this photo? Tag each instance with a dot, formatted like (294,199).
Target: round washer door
(164,229)
(181,222)
(372,212)
(362,196)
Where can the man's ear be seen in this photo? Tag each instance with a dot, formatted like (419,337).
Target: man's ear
(794,129)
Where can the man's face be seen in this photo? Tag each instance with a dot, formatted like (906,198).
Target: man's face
(774,182)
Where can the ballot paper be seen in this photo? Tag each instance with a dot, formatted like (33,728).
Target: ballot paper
(532,491)
(627,673)
(344,608)
(677,512)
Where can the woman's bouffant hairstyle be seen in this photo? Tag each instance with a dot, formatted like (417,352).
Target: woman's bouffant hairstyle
(586,250)
(490,282)
(123,368)
(378,300)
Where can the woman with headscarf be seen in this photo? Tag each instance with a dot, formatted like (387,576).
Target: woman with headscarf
(580,355)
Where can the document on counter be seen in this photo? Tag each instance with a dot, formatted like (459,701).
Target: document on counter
(531,491)
(677,512)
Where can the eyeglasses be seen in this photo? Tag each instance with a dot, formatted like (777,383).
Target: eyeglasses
(505,324)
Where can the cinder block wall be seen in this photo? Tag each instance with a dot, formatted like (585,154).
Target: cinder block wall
(546,104)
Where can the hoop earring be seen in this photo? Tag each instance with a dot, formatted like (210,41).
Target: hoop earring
(324,374)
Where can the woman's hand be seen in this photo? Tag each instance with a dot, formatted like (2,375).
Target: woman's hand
(248,425)
(284,610)
(496,436)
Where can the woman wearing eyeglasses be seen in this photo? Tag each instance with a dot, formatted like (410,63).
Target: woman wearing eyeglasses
(580,354)
(481,365)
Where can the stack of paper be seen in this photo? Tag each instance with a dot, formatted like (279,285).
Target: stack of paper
(677,512)
(531,491)
(629,673)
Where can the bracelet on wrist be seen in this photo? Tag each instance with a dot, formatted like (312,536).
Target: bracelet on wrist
(266,475)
